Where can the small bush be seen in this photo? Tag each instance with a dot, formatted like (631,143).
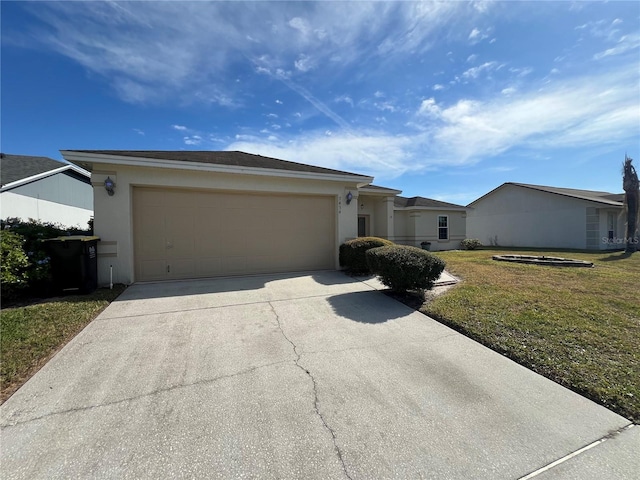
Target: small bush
(403,268)
(470,244)
(14,264)
(352,253)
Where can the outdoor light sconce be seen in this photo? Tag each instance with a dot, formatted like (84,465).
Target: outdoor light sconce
(349,198)
(109,186)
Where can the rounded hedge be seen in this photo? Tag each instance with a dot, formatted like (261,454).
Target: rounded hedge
(470,244)
(352,253)
(402,268)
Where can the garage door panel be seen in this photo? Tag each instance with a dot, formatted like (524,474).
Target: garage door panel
(153,269)
(222,233)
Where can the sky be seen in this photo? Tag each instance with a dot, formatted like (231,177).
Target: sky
(446,100)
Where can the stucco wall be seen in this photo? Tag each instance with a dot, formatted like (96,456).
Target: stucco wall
(522,217)
(25,207)
(113,215)
(416,226)
(379,210)
(65,198)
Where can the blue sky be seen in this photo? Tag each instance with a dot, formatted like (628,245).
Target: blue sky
(444,100)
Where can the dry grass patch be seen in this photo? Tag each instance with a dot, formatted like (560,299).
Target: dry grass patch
(577,326)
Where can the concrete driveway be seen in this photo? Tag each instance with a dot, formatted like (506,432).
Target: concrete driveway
(296,376)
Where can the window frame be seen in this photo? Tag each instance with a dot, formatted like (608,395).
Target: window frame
(445,228)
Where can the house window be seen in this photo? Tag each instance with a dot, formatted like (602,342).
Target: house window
(611,225)
(443,227)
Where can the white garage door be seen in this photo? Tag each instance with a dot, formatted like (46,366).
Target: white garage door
(192,233)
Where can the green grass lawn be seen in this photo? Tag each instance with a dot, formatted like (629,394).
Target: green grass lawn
(577,326)
(31,334)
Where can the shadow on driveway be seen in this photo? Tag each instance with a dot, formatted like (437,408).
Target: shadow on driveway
(367,307)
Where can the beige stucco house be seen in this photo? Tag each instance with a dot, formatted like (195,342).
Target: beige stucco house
(189,214)
(523,215)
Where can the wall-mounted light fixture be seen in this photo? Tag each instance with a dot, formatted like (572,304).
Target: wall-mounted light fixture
(109,186)
(362,206)
(349,198)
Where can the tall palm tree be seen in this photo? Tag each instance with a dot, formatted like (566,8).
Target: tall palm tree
(631,188)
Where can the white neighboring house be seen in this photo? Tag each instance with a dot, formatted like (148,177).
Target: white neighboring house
(44,189)
(523,215)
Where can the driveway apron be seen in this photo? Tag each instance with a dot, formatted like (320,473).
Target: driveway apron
(314,375)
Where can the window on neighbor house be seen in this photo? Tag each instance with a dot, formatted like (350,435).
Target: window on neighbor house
(611,224)
(443,227)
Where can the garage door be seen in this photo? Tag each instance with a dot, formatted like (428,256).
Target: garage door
(192,233)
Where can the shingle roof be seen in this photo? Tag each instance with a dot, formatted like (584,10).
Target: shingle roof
(233,158)
(18,167)
(591,195)
(404,202)
(607,198)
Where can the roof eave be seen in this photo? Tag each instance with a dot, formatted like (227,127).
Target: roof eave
(89,159)
(439,209)
(40,176)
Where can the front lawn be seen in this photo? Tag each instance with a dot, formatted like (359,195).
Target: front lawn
(32,334)
(577,326)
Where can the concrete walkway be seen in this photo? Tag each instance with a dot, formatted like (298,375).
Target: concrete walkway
(296,376)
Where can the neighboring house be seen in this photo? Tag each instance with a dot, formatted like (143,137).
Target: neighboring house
(189,214)
(522,215)
(45,189)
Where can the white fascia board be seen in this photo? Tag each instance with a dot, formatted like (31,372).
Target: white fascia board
(93,158)
(389,192)
(434,209)
(40,176)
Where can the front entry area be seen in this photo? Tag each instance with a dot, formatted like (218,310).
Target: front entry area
(181,234)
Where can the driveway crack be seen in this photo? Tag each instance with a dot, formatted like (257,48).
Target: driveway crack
(148,394)
(315,393)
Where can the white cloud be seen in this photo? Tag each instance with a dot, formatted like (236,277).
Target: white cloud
(386,106)
(279,102)
(272,115)
(301,25)
(429,107)
(475,72)
(472,58)
(374,153)
(344,99)
(162,51)
(521,72)
(304,63)
(437,87)
(181,128)
(138,131)
(378,94)
(626,43)
(575,112)
(193,140)
(477,35)
(508,91)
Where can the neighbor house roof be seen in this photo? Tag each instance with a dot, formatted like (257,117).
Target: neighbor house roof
(607,198)
(16,170)
(425,203)
(225,158)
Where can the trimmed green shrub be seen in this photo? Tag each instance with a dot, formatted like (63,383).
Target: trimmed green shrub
(352,253)
(13,275)
(470,244)
(38,269)
(402,268)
